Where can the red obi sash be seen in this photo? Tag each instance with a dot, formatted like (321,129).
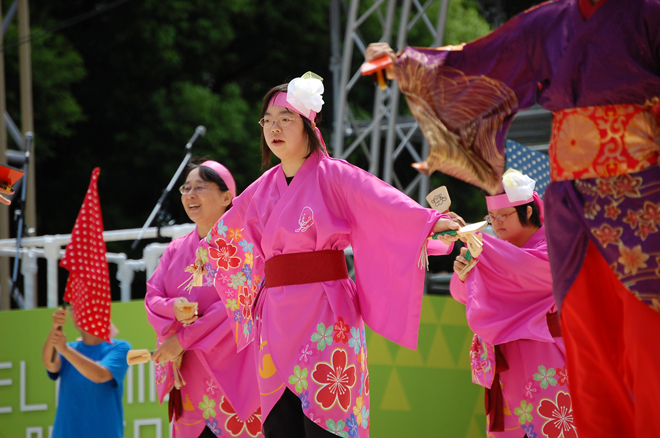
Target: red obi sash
(305,267)
(604,141)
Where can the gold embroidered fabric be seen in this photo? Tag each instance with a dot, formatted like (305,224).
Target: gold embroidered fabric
(464,118)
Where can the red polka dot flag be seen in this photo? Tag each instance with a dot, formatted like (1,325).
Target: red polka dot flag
(88,287)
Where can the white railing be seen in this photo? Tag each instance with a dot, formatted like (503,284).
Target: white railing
(52,249)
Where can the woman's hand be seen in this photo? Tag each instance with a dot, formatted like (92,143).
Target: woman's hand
(444,224)
(460,263)
(378,50)
(456,218)
(185,311)
(4,190)
(168,350)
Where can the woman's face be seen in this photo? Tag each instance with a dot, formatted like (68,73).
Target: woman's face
(290,142)
(204,202)
(510,229)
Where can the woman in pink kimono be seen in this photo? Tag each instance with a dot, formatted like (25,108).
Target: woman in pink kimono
(213,389)
(281,271)
(517,352)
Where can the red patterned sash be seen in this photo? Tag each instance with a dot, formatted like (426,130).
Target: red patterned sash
(604,141)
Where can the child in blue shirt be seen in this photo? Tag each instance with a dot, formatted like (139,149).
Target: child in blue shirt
(92,375)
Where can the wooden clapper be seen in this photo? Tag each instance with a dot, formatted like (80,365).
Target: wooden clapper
(135,357)
(440,201)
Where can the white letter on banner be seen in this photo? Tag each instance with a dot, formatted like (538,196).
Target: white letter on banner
(129,385)
(24,406)
(152,381)
(148,422)
(5,382)
(141,383)
(30,431)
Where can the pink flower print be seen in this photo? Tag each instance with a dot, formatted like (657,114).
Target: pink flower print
(211,387)
(161,373)
(530,390)
(224,278)
(315,418)
(305,354)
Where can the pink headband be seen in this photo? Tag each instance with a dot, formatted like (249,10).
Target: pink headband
(223,173)
(502,201)
(279,99)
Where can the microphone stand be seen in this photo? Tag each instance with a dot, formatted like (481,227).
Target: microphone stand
(18,214)
(199,132)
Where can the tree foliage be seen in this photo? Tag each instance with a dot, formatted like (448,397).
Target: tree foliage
(125,90)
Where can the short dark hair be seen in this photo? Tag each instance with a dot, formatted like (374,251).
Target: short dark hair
(314,141)
(206,173)
(535,218)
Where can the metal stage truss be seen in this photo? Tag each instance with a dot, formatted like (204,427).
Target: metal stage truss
(388,142)
(388,136)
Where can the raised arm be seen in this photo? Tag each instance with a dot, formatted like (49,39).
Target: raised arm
(55,340)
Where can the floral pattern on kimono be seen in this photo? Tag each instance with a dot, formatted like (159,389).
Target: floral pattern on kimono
(211,368)
(623,215)
(303,331)
(507,307)
(327,388)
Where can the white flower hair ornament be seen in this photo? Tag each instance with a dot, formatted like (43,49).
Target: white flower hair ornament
(518,187)
(305,94)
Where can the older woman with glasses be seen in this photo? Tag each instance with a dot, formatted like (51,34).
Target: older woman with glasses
(517,352)
(213,389)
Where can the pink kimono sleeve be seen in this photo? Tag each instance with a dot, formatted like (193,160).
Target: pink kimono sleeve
(457,289)
(509,292)
(206,330)
(388,230)
(160,308)
(437,247)
(229,252)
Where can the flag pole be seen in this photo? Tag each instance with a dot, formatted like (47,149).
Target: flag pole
(54,355)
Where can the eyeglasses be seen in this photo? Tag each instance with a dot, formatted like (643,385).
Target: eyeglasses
(188,188)
(499,218)
(267,122)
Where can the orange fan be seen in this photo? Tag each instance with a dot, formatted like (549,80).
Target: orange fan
(8,177)
(377,66)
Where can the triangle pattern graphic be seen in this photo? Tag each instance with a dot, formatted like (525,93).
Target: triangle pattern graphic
(378,351)
(408,357)
(453,314)
(440,356)
(428,315)
(395,396)
(479,406)
(438,304)
(478,422)
(464,358)
(425,339)
(474,430)
(455,338)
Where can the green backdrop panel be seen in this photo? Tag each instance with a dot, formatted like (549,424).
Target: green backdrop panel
(424,393)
